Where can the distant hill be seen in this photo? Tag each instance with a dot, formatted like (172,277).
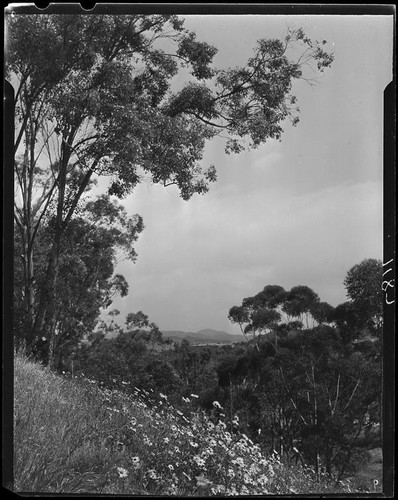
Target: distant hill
(206,336)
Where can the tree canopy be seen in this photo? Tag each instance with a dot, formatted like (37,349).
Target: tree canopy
(274,310)
(94,242)
(363,284)
(315,391)
(94,97)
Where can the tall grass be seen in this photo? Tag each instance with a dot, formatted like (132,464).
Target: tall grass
(70,436)
(61,433)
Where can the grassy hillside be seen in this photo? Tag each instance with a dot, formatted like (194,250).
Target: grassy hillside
(71,436)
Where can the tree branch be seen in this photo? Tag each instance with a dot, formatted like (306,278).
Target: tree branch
(337,394)
(352,395)
(81,190)
(204,120)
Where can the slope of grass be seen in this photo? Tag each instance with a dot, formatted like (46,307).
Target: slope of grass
(61,433)
(70,436)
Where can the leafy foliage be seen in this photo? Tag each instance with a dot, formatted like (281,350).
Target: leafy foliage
(94,97)
(274,310)
(92,245)
(364,287)
(120,357)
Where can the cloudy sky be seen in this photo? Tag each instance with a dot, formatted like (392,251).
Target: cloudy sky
(302,211)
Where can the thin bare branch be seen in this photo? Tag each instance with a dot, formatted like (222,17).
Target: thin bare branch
(352,394)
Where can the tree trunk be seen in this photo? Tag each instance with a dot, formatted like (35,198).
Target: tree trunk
(317,466)
(328,457)
(54,357)
(29,283)
(28,278)
(46,293)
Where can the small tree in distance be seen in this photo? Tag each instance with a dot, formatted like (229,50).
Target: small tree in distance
(275,310)
(364,287)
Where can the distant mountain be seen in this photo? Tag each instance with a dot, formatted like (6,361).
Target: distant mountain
(206,336)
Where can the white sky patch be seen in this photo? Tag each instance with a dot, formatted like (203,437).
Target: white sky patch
(206,259)
(302,211)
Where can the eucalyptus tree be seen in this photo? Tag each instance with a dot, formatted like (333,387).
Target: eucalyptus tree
(260,314)
(301,303)
(96,239)
(364,287)
(274,310)
(94,97)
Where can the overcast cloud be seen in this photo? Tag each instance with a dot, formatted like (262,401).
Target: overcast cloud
(302,211)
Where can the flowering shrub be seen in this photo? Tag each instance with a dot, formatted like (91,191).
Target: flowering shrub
(175,453)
